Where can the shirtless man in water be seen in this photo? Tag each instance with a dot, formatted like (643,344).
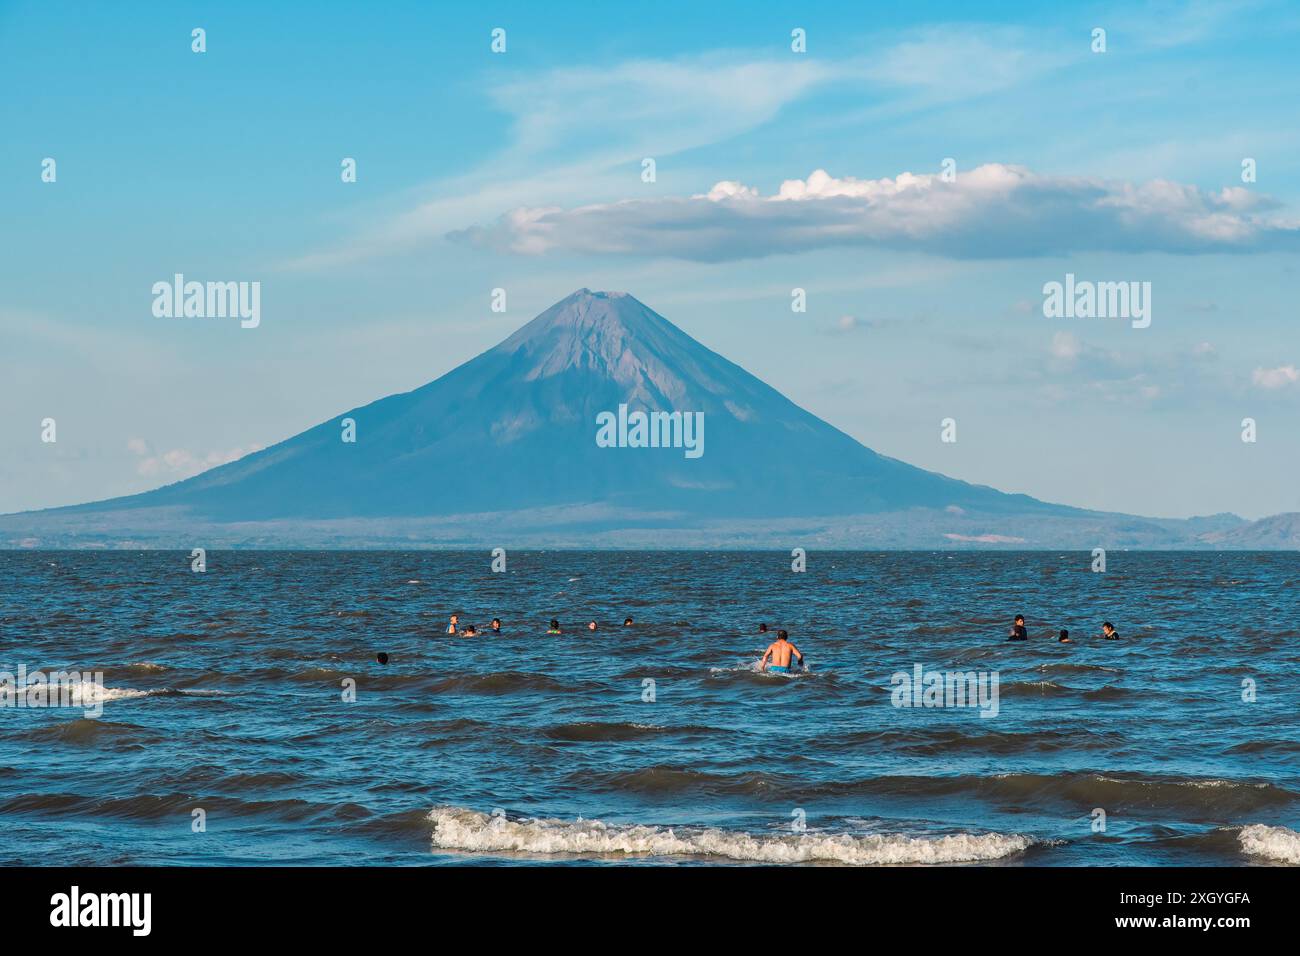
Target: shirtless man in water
(780,652)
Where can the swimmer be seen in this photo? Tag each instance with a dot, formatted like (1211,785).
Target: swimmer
(627,622)
(591,625)
(555,627)
(1018,632)
(1108,631)
(453,624)
(1065,637)
(496,625)
(762,628)
(381,657)
(470,631)
(780,652)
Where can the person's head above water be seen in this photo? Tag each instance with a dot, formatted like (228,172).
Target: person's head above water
(555,625)
(1020,619)
(782,636)
(591,625)
(1065,636)
(381,657)
(627,622)
(762,627)
(1107,627)
(496,623)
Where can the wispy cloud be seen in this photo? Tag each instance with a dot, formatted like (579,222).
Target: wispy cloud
(1074,368)
(572,128)
(856,324)
(658,107)
(179,463)
(1273,378)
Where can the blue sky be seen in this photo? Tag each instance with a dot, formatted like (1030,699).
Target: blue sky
(523,170)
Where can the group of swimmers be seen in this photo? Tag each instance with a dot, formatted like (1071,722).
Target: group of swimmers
(1018,632)
(781,656)
(469,630)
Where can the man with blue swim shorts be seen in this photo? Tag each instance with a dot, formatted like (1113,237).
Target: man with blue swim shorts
(780,653)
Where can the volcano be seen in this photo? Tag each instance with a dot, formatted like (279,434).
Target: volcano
(507,443)
(515,429)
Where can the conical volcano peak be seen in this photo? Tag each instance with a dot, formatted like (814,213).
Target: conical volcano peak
(608,330)
(585,293)
(587,309)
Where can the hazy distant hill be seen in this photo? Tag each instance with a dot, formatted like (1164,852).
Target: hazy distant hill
(1276,531)
(503,448)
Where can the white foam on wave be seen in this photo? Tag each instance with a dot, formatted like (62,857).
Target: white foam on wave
(733,670)
(1209,783)
(1054,665)
(1216,783)
(457,828)
(1272,843)
(752,667)
(87,693)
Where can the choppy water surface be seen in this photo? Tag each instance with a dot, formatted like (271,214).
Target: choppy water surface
(225,693)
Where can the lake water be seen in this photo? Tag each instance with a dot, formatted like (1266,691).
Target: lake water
(225,694)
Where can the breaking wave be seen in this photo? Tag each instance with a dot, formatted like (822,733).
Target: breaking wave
(456,828)
(1271,843)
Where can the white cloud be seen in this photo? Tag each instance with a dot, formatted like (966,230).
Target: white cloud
(729,190)
(1075,367)
(1279,377)
(846,324)
(179,463)
(1065,346)
(992,211)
